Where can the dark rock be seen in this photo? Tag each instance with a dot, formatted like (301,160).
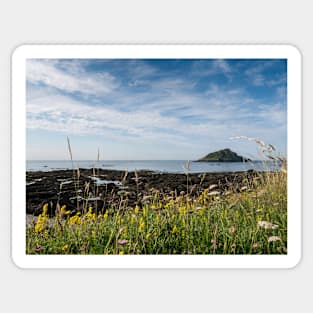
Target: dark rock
(45,188)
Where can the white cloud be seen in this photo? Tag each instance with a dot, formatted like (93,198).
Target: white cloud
(281,92)
(258,80)
(221,115)
(139,69)
(277,81)
(222,65)
(218,66)
(47,72)
(255,75)
(169,110)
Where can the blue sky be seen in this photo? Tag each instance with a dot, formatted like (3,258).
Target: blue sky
(154,109)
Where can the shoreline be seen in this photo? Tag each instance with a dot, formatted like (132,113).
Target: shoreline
(162,166)
(103,188)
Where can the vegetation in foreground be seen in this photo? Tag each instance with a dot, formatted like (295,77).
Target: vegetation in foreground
(251,221)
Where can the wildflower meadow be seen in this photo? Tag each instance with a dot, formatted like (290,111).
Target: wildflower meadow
(251,220)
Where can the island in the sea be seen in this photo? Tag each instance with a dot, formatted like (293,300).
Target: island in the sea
(225,155)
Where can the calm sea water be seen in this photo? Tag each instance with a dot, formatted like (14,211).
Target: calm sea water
(170,166)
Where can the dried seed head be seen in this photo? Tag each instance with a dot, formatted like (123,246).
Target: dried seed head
(267,225)
(273,238)
(69,148)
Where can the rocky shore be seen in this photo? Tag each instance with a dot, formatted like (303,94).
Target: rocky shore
(103,188)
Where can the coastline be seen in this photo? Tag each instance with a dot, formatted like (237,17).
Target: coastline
(104,188)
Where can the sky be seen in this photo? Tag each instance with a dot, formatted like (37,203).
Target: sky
(153,109)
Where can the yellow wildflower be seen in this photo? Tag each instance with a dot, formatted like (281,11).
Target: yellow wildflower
(141,226)
(125,229)
(42,220)
(119,220)
(75,219)
(182,210)
(158,219)
(169,204)
(183,234)
(91,215)
(155,208)
(175,230)
(64,211)
(45,209)
(133,219)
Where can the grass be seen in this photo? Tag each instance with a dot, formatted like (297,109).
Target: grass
(250,219)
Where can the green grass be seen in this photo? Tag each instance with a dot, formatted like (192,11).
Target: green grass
(251,221)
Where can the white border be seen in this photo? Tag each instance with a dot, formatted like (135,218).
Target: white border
(21,259)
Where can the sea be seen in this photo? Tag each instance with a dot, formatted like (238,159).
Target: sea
(162,166)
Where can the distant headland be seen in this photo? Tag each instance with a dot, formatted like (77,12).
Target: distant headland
(225,155)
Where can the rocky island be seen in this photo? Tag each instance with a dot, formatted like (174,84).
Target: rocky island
(225,155)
